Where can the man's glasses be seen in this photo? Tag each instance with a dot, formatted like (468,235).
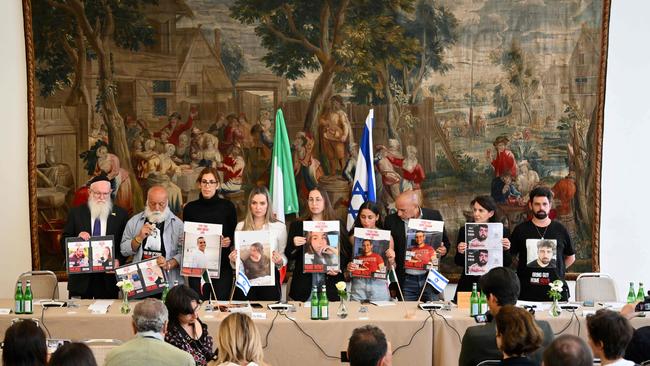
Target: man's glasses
(208,182)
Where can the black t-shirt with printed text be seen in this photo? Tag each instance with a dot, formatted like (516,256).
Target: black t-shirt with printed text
(535,279)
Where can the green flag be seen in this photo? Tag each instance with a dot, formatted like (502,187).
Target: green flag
(283,182)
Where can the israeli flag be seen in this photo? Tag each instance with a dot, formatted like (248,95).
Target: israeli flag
(364,184)
(437,280)
(242,281)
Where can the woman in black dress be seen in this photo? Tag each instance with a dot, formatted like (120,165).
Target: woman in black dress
(211,209)
(483,211)
(319,208)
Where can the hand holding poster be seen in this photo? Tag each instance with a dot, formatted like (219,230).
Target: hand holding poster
(423,237)
(369,260)
(89,256)
(254,250)
(201,249)
(321,252)
(146,276)
(484,247)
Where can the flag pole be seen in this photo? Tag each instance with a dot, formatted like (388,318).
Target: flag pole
(423,287)
(399,288)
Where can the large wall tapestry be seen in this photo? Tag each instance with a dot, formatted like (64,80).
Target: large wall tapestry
(149,92)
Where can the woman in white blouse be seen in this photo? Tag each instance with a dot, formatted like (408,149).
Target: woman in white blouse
(259,217)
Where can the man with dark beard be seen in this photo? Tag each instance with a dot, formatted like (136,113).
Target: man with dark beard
(480,240)
(535,281)
(97,218)
(155,233)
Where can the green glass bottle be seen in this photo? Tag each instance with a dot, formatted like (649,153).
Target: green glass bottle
(315,309)
(28,299)
(18,298)
(165,292)
(483,303)
(631,297)
(474,301)
(324,304)
(640,296)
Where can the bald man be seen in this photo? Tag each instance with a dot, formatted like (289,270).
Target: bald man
(156,233)
(98,217)
(412,280)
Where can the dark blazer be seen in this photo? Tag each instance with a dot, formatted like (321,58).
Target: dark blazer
(479,344)
(300,289)
(396,226)
(97,285)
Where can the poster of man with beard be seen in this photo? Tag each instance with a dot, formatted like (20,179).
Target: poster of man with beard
(99,217)
(156,233)
(484,247)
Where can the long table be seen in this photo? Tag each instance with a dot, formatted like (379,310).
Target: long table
(421,339)
(287,344)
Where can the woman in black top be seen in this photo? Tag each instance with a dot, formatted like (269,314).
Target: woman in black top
(319,208)
(211,209)
(483,211)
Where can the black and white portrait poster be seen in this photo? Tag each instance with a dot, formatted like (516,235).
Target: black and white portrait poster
(484,247)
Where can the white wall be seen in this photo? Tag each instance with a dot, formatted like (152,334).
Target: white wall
(15,250)
(625,224)
(624,228)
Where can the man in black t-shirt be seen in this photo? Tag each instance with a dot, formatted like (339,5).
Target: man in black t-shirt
(535,278)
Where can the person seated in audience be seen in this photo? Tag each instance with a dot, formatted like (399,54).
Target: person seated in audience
(368,347)
(24,344)
(240,342)
(501,287)
(148,348)
(609,334)
(186,331)
(568,349)
(517,335)
(73,354)
(638,350)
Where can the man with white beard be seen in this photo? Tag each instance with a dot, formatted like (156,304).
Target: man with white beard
(97,218)
(155,233)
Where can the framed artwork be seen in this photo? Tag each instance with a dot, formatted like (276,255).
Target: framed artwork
(470,97)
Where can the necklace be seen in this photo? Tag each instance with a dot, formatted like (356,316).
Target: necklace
(541,235)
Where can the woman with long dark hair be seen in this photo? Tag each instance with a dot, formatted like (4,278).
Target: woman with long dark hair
(318,208)
(373,289)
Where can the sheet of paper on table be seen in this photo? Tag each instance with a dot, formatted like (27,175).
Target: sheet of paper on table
(383,303)
(539,306)
(100,306)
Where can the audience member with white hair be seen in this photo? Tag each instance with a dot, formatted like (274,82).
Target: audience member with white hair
(148,347)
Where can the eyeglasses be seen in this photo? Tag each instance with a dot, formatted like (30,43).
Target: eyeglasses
(208,182)
(100,194)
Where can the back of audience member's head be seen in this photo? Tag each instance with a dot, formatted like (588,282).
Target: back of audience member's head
(610,331)
(367,346)
(239,340)
(73,354)
(24,345)
(150,315)
(568,349)
(638,350)
(179,302)
(517,331)
(503,283)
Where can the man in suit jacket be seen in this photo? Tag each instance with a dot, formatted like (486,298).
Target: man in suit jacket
(149,346)
(501,287)
(412,281)
(97,218)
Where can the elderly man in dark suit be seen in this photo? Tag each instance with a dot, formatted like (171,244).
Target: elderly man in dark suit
(408,207)
(96,218)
